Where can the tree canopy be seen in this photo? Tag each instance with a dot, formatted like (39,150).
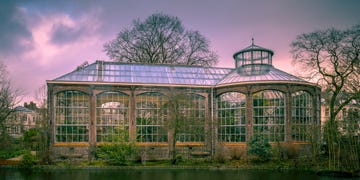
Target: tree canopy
(160,39)
(331,57)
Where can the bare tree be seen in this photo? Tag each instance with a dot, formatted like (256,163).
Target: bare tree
(9,97)
(331,58)
(41,96)
(160,39)
(186,123)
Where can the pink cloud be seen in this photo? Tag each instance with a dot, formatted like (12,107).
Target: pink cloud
(47,59)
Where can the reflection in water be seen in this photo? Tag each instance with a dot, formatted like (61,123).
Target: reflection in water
(156,174)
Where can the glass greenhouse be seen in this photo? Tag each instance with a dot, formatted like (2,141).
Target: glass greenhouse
(197,108)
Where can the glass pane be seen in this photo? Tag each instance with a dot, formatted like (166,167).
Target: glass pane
(112,117)
(72,116)
(302,116)
(269,115)
(151,117)
(231,117)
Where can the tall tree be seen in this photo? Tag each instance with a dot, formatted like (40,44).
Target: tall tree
(331,58)
(160,39)
(9,97)
(43,152)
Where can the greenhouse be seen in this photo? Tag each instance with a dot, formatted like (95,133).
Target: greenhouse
(191,109)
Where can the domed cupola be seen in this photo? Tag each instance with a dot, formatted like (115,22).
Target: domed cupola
(253,60)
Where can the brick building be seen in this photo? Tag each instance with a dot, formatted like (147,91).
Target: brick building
(21,120)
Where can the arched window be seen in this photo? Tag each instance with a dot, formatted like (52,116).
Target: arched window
(151,117)
(231,117)
(269,115)
(112,123)
(72,117)
(190,127)
(302,116)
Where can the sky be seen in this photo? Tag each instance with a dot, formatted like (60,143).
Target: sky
(42,40)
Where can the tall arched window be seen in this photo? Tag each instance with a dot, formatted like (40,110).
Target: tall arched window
(112,123)
(191,126)
(231,117)
(302,116)
(269,115)
(72,117)
(151,117)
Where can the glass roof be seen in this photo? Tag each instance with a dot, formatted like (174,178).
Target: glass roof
(253,48)
(88,73)
(253,64)
(101,71)
(115,72)
(272,74)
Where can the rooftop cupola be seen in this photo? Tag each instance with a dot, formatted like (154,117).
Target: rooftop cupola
(253,60)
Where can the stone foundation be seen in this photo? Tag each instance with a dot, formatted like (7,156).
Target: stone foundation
(77,153)
(69,153)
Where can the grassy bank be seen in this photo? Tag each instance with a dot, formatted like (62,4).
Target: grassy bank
(205,164)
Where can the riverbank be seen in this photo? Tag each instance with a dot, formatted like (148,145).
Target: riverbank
(104,170)
(284,166)
(162,173)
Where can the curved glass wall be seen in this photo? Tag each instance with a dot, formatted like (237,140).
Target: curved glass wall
(72,116)
(191,125)
(231,117)
(253,60)
(254,57)
(112,122)
(151,117)
(269,115)
(302,116)
(254,69)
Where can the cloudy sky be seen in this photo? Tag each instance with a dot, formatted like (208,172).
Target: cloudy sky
(42,40)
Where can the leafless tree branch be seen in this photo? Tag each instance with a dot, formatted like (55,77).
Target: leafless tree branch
(161,39)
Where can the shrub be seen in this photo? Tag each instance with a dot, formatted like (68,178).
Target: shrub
(260,147)
(31,138)
(28,160)
(116,154)
(6,154)
(237,154)
(178,159)
(220,154)
(292,152)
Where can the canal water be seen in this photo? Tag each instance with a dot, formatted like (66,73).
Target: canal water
(157,174)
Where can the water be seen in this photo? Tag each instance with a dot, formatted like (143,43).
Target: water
(156,174)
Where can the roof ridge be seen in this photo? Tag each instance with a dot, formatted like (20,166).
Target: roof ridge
(162,74)
(168,65)
(22,108)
